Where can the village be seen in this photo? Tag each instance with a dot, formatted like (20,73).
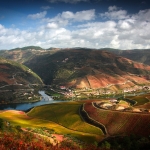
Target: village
(100,92)
(119,105)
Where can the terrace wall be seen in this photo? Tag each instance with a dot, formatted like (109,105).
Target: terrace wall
(88,119)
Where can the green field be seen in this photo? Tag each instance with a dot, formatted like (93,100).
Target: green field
(65,114)
(140,100)
(63,118)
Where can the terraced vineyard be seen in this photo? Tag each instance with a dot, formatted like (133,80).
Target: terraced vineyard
(120,123)
(67,115)
(140,99)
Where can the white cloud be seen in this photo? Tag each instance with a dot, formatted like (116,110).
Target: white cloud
(52,25)
(67,1)
(112,8)
(38,15)
(114,13)
(125,24)
(85,15)
(67,18)
(143,15)
(115,42)
(45,7)
(128,32)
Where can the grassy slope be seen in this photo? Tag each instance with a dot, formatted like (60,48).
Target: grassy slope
(44,118)
(67,115)
(14,66)
(140,99)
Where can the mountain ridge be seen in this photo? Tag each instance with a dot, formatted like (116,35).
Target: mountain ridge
(86,69)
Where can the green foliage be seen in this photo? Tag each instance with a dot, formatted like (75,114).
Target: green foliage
(18,128)
(31,47)
(63,73)
(131,142)
(105,145)
(140,100)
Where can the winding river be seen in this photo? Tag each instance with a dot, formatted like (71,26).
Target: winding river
(45,100)
(25,106)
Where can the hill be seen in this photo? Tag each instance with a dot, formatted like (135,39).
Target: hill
(24,54)
(139,55)
(17,82)
(120,122)
(81,68)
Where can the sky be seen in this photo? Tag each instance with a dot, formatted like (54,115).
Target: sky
(119,24)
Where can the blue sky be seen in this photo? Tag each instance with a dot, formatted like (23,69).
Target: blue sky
(121,24)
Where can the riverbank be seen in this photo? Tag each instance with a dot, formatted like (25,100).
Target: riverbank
(24,106)
(21,102)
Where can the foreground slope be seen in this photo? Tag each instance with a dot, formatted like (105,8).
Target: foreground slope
(62,118)
(81,68)
(118,122)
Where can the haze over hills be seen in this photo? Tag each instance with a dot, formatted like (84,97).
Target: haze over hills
(25,53)
(139,55)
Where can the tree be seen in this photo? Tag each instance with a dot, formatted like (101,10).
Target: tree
(106,145)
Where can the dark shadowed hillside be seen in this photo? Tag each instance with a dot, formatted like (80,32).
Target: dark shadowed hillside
(89,69)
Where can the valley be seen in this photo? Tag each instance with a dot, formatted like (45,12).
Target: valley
(105,95)
(82,122)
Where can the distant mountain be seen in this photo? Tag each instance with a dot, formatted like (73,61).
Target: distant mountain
(24,54)
(29,48)
(17,82)
(85,68)
(139,55)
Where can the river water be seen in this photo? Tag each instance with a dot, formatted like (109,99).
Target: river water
(25,106)
(45,100)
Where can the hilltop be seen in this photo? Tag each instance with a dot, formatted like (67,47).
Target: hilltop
(81,68)
(139,55)
(24,54)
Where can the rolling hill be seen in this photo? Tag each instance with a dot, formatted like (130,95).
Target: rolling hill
(139,55)
(17,82)
(81,68)
(85,68)
(24,54)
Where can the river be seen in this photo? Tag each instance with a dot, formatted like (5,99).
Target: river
(45,100)
(25,106)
